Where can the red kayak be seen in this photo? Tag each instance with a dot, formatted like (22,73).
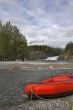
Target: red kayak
(56,86)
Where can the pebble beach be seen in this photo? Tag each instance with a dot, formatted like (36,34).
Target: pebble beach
(15,76)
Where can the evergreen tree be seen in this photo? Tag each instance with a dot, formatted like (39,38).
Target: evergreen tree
(12,42)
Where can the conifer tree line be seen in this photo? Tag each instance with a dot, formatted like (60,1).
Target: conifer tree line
(43,51)
(68,52)
(13,46)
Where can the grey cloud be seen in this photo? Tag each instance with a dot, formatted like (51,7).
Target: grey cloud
(40,22)
(69,32)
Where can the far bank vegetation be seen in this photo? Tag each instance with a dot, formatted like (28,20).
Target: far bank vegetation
(68,52)
(13,46)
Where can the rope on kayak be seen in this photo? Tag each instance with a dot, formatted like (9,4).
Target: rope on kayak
(32,92)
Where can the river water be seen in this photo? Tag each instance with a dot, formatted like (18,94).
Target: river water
(12,83)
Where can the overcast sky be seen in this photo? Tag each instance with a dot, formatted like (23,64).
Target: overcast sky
(48,22)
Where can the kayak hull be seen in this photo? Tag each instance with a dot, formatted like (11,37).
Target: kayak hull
(57,86)
(51,96)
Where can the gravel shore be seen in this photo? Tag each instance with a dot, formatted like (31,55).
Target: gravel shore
(13,81)
(50,104)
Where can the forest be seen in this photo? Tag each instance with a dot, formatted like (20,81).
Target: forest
(68,52)
(14,46)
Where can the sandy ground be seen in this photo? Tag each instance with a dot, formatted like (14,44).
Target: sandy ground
(15,75)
